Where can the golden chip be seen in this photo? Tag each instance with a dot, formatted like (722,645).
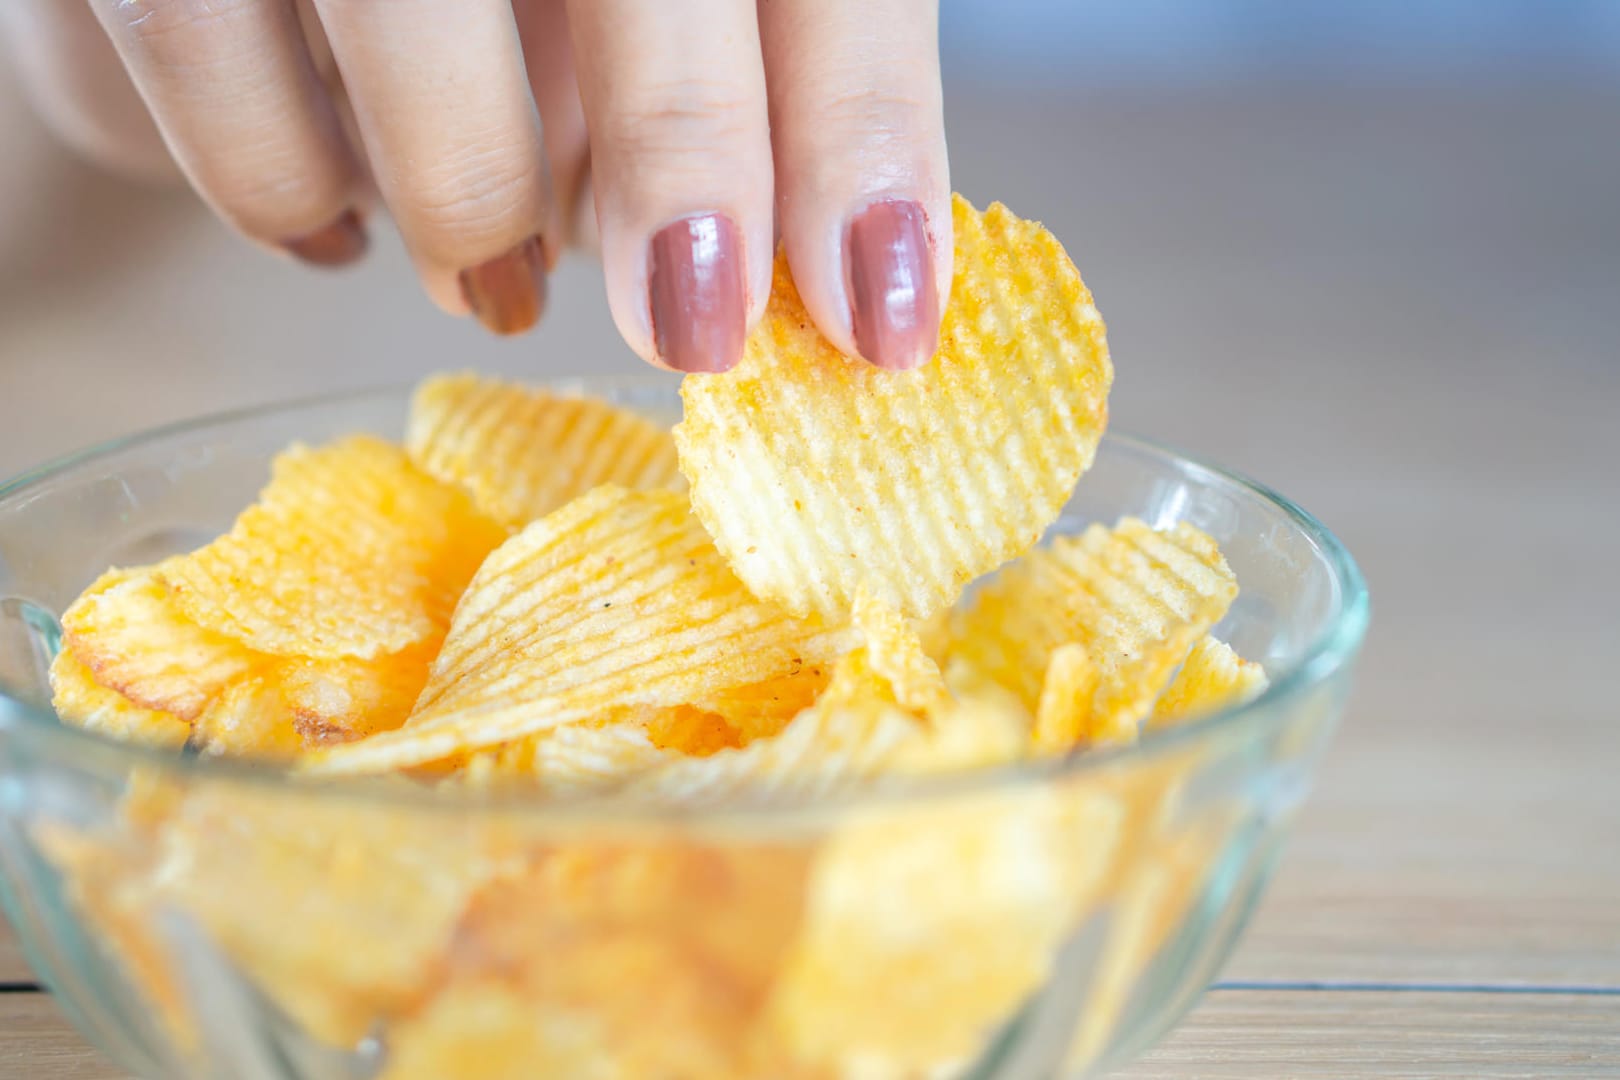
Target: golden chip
(1213,677)
(765,708)
(895,651)
(1135,599)
(350,551)
(338,911)
(948,915)
(523,453)
(80,700)
(816,472)
(618,599)
(1063,714)
(571,759)
(127,629)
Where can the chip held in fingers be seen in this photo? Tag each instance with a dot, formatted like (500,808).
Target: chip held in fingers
(817,473)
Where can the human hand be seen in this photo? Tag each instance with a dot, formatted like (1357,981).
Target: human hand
(675,137)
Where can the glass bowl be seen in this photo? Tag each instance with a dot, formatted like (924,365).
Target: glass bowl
(208,918)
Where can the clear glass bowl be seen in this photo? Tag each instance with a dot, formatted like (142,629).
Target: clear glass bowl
(207,918)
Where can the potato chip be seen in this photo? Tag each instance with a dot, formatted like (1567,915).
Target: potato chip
(572,759)
(1063,714)
(523,453)
(619,599)
(895,651)
(765,708)
(79,700)
(1135,599)
(816,472)
(338,911)
(127,629)
(490,1030)
(350,551)
(1212,677)
(852,732)
(947,915)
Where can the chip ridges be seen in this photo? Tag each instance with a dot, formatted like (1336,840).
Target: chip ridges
(618,599)
(522,452)
(1213,677)
(350,551)
(912,483)
(1135,599)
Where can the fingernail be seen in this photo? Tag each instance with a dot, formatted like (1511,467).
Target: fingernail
(508,293)
(893,302)
(338,244)
(695,285)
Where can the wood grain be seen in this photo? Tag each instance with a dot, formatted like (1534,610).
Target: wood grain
(1241,1035)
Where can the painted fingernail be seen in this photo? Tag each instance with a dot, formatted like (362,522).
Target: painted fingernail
(508,293)
(894,304)
(695,286)
(338,244)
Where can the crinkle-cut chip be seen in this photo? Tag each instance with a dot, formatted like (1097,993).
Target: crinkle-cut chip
(79,700)
(816,472)
(851,733)
(765,708)
(523,452)
(691,731)
(249,718)
(340,700)
(338,911)
(489,1029)
(968,733)
(1212,677)
(1135,599)
(619,599)
(351,551)
(573,759)
(948,914)
(1063,713)
(127,629)
(896,654)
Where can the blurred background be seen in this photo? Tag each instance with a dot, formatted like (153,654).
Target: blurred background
(1369,253)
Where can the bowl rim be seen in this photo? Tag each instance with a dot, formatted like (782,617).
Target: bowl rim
(1335,646)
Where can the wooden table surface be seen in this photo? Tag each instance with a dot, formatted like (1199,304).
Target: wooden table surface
(1397,307)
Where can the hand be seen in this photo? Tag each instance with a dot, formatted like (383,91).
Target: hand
(673,135)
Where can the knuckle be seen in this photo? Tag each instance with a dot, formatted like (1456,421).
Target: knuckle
(154,22)
(877,115)
(683,117)
(475,197)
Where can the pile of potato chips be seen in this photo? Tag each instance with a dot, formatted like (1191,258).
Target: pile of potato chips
(553,594)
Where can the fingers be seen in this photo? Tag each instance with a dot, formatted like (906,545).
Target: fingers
(863,188)
(674,98)
(442,100)
(80,88)
(549,55)
(232,88)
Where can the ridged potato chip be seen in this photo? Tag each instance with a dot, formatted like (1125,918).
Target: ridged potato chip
(765,708)
(618,599)
(1063,714)
(816,472)
(351,551)
(1212,677)
(895,651)
(1137,600)
(927,926)
(78,699)
(571,759)
(523,452)
(340,912)
(127,629)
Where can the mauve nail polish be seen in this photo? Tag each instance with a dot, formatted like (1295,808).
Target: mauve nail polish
(695,290)
(894,303)
(508,292)
(338,244)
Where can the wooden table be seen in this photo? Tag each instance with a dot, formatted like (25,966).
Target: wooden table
(1397,308)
